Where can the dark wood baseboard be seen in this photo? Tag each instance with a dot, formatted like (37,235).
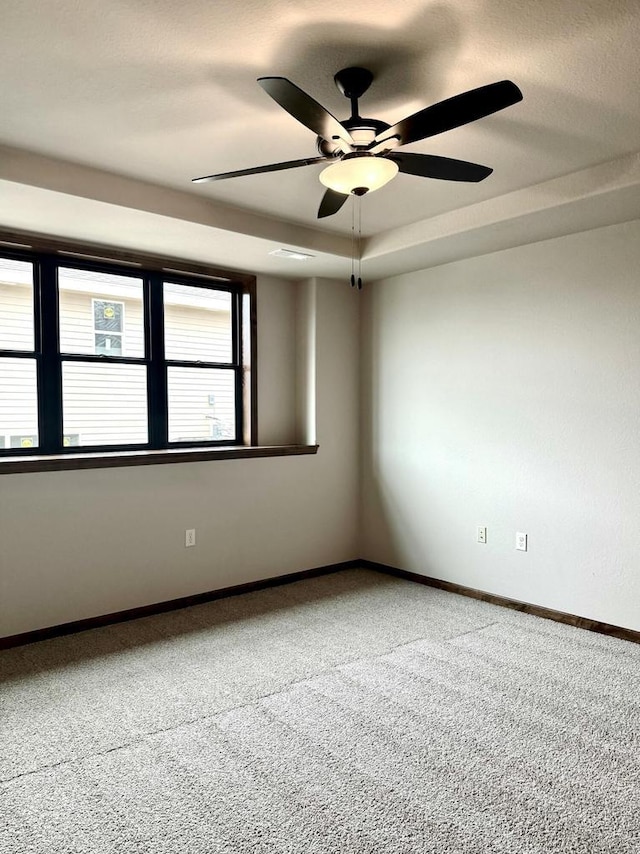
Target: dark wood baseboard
(170,605)
(504,602)
(252,586)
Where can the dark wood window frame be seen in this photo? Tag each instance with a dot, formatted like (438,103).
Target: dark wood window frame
(49,254)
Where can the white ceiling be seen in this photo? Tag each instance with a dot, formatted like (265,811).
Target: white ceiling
(157,92)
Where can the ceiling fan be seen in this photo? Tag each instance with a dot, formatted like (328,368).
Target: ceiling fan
(361,153)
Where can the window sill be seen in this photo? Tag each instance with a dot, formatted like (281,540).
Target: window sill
(66,462)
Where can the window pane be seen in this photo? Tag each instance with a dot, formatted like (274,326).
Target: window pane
(110,345)
(100,313)
(104,403)
(16,305)
(18,403)
(197,324)
(201,404)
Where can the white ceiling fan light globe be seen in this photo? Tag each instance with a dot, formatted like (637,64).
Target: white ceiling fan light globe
(360,172)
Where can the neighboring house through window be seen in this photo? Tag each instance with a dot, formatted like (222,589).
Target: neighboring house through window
(100,356)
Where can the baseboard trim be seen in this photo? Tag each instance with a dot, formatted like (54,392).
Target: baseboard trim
(252,586)
(170,605)
(504,602)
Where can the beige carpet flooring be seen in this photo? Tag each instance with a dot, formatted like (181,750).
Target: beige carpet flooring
(349,713)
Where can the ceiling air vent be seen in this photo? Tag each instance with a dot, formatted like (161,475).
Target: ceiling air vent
(291,254)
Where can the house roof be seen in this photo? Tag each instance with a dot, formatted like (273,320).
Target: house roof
(109,111)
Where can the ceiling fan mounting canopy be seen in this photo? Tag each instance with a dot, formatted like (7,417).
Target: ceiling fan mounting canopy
(353,82)
(360,152)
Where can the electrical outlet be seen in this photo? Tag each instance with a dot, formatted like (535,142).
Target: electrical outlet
(190,537)
(482,534)
(521,542)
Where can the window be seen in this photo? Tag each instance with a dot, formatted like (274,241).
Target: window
(108,322)
(100,356)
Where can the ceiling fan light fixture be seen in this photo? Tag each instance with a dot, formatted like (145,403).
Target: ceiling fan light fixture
(358,172)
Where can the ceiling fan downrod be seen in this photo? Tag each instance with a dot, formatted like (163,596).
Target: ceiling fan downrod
(353,83)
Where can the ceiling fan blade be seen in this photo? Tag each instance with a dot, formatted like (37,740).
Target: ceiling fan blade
(257,170)
(331,203)
(445,168)
(455,112)
(303,108)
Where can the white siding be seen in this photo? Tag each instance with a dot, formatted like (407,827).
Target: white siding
(201,404)
(197,324)
(200,332)
(18,406)
(18,402)
(16,316)
(105,403)
(77,327)
(102,403)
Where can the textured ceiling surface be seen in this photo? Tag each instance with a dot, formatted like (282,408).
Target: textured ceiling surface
(164,91)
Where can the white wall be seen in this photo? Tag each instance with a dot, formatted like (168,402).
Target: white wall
(505,391)
(81,543)
(277,357)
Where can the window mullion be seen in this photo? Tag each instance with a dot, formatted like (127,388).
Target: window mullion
(236,308)
(49,362)
(157,371)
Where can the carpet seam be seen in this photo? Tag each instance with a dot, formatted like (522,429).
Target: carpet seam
(257,699)
(471,631)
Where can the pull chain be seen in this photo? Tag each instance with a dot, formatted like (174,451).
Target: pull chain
(353,244)
(359,203)
(356,243)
